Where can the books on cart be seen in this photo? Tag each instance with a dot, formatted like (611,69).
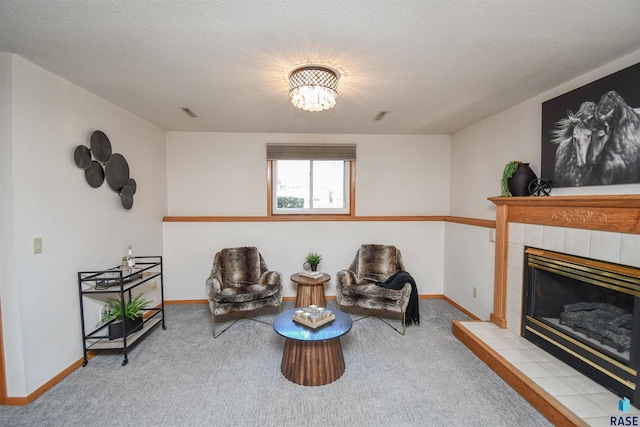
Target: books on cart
(313,316)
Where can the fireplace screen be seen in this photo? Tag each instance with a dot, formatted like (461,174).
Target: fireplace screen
(582,311)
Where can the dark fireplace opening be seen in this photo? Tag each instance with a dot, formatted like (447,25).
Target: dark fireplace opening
(582,311)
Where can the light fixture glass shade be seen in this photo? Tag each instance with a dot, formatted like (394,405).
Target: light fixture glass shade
(313,88)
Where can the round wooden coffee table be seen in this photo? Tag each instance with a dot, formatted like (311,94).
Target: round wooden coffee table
(310,290)
(311,356)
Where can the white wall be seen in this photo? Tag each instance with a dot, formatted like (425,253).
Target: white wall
(9,296)
(468,264)
(480,152)
(82,228)
(395,174)
(225,174)
(190,248)
(478,156)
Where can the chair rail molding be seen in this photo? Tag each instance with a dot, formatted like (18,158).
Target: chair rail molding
(488,223)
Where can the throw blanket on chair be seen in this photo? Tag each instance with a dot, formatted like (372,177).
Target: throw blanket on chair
(397,281)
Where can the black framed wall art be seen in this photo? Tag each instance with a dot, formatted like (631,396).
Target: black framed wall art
(591,135)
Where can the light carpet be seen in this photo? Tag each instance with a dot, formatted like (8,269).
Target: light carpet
(182,376)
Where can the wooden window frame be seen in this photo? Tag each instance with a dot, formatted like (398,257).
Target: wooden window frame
(312,216)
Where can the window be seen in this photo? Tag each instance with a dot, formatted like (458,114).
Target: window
(310,179)
(311,186)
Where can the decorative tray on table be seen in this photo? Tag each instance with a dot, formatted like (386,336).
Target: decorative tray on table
(313,316)
(116,275)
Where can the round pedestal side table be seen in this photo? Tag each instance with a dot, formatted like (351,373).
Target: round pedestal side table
(310,290)
(312,357)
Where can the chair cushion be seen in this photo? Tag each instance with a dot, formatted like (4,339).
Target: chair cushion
(377,262)
(240,266)
(245,293)
(372,291)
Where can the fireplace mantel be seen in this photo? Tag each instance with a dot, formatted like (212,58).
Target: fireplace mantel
(615,200)
(616,213)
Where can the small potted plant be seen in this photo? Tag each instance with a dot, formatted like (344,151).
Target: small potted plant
(313,259)
(133,315)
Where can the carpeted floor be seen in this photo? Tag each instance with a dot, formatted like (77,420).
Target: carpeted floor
(182,376)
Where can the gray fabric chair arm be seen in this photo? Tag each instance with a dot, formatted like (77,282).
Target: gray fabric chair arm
(345,278)
(213,283)
(271,278)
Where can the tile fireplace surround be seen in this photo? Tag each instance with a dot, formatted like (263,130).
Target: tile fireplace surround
(601,227)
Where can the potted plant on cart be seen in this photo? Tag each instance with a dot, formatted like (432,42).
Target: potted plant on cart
(133,315)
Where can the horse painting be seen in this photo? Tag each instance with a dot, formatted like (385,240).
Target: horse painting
(573,135)
(615,158)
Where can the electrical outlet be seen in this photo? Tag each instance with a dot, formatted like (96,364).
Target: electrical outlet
(154,285)
(475,292)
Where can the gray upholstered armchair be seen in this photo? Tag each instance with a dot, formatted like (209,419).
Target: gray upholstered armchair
(356,286)
(240,281)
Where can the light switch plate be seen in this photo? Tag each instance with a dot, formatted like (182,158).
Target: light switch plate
(37,245)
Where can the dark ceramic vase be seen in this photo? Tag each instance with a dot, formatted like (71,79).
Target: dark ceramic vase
(518,184)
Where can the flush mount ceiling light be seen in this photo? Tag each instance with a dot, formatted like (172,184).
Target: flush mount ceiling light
(313,88)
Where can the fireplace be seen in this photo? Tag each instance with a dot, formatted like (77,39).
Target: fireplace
(604,227)
(585,313)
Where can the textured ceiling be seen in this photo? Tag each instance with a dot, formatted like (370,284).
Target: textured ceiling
(436,66)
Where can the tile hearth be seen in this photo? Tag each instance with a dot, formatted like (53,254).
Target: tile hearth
(594,404)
